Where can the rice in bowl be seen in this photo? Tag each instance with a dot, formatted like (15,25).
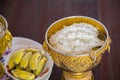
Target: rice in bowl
(78,38)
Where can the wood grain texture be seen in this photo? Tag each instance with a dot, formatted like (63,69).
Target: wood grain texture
(108,13)
(31,18)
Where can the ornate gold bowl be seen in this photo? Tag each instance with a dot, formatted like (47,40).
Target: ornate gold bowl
(5,41)
(77,66)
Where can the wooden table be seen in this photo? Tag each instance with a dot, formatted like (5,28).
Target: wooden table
(31,18)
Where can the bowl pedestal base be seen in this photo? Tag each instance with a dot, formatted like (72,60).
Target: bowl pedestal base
(77,76)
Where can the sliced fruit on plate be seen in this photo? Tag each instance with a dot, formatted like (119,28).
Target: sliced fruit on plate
(27,63)
(41,64)
(25,60)
(24,75)
(33,50)
(17,56)
(33,63)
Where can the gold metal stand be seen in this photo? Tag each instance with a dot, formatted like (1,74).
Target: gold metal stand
(77,76)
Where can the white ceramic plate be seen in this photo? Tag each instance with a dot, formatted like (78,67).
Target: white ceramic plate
(19,42)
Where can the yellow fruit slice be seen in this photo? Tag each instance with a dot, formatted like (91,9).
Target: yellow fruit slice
(33,63)
(11,64)
(24,75)
(25,60)
(33,50)
(18,56)
(41,64)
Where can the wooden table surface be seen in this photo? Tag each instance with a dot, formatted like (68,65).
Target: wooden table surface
(31,18)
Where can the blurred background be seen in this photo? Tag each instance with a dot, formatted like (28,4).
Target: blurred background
(31,18)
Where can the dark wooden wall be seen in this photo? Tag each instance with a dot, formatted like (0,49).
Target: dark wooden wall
(31,18)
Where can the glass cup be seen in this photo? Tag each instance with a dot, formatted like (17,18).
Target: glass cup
(77,66)
(5,40)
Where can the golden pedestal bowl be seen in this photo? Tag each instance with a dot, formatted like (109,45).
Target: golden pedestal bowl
(77,66)
(5,40)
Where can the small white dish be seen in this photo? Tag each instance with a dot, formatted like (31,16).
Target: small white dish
(19,42)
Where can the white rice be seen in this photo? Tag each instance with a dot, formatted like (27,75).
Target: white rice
(78,38)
